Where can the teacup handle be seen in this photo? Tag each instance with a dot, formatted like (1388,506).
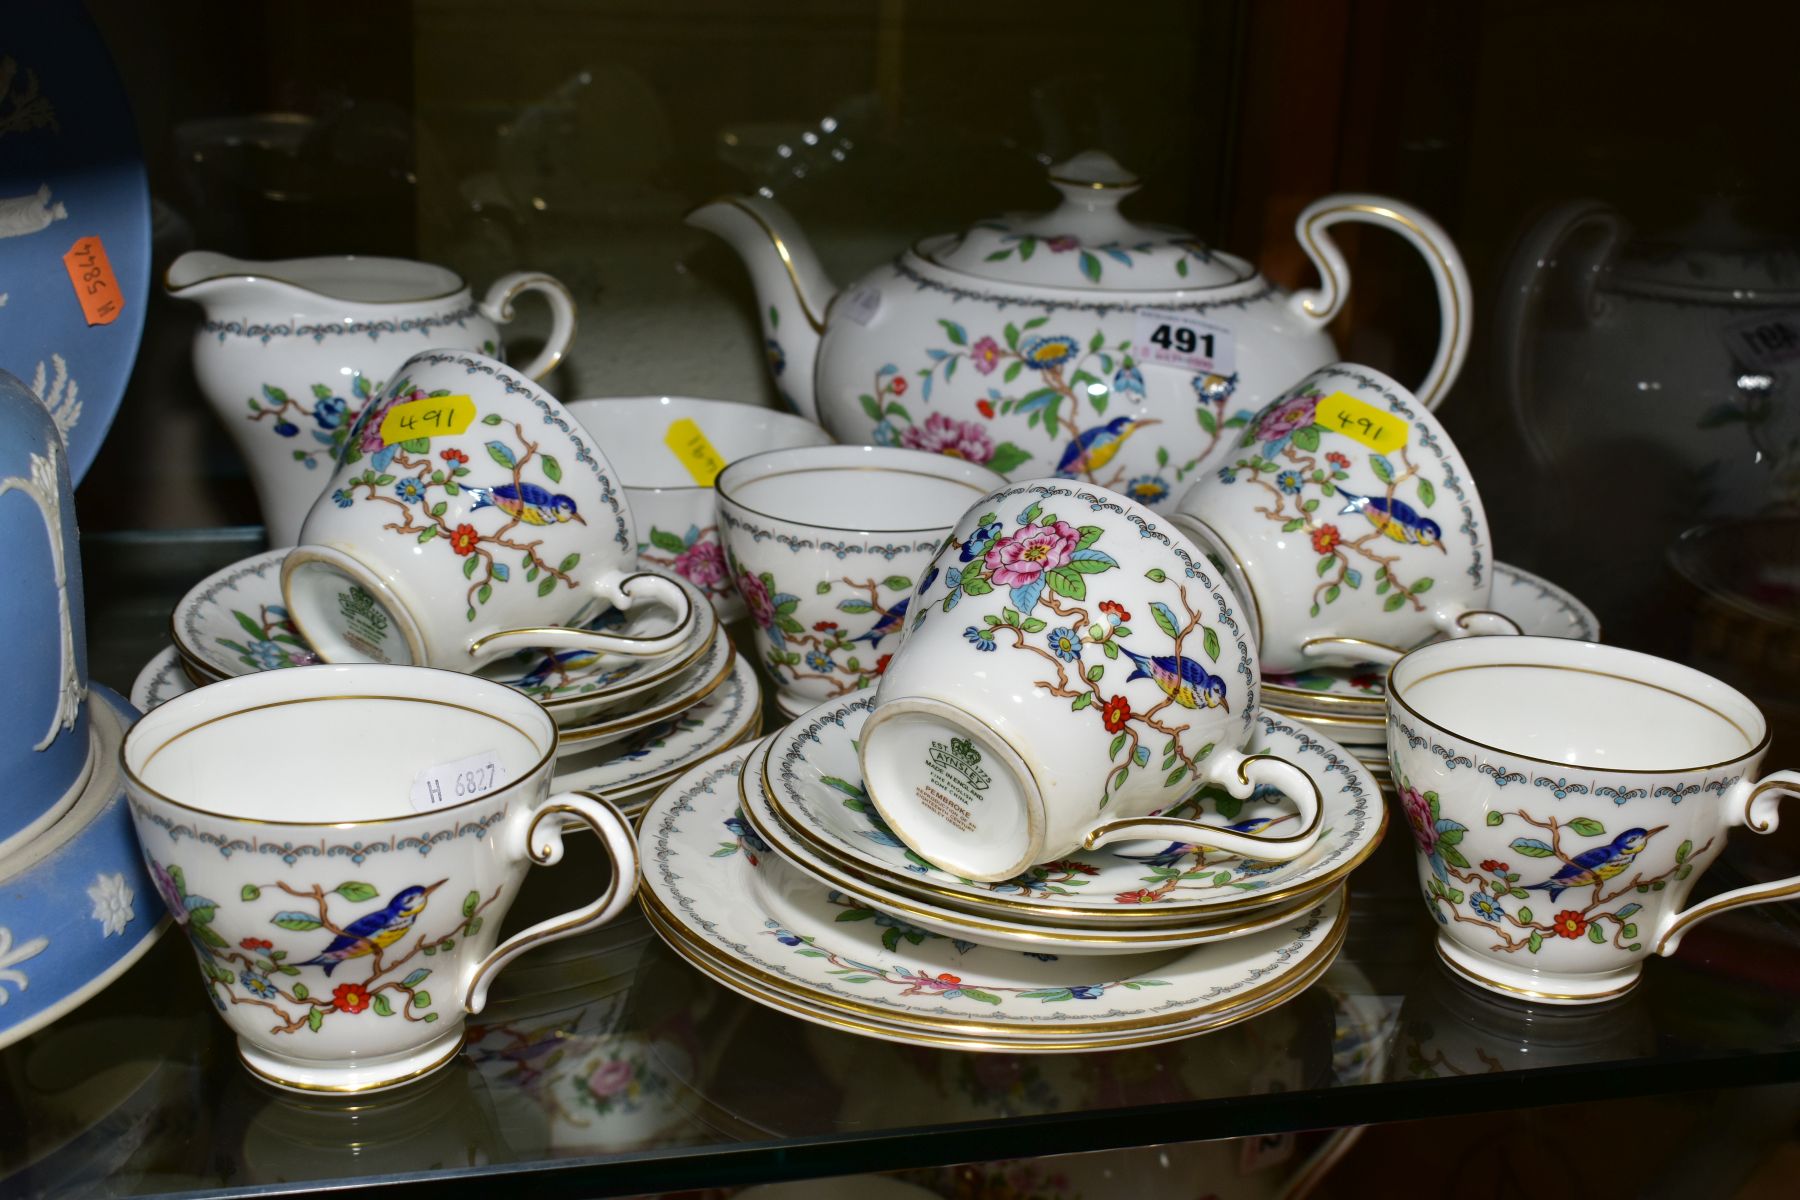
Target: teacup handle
(539,839)
(497,306)
(1752,804)
(621,589)
(1239,774)
(1454,621)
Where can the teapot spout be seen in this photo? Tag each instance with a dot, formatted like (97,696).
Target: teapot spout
(792,289)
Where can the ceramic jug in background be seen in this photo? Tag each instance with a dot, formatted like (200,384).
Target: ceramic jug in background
(292,349)
(1676,349)
(1076,343)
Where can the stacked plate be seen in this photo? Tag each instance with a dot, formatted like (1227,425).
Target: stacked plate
(1349,704)
(806,902)
(626,726)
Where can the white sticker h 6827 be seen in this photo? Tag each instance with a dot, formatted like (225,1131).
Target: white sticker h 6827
(453,782)
(1176,339)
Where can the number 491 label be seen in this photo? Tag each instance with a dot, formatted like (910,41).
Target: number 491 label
(1175,339)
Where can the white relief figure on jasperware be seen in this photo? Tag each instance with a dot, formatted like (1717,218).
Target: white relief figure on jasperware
(41,487)
(112,898)
(10,958)
(22,106)
(59,394)
(30,213)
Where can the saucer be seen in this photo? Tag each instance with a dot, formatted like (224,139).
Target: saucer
(161,679)
(675,697)
(1535,604)
(633,770)
(724,900)
(868,899)
(814,783)
(1364,734)
(235,622)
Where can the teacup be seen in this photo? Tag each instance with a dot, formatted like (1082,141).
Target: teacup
(824,544)
(669,449)
(1072,665)
(345,915)
(1348,521)
(1565,797)
(470,516)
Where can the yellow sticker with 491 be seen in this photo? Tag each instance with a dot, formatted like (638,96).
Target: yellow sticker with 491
(433,416)
(1382,432)
(696,452)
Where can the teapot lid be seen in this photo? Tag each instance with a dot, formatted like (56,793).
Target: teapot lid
(1086,243)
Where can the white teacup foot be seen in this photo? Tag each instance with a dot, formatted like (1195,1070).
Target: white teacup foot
(1537,987)
(368,1075)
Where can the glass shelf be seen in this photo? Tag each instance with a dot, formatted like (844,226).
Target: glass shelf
(605,1066)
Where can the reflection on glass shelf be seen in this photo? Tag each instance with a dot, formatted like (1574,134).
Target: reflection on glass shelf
(609,1057)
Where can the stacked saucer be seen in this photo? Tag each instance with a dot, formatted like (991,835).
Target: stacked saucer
(626,726)
(809,904)
(1349,704)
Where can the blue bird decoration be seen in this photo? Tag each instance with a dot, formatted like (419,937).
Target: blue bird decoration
(1174,852)
(529,503)
(1599,864)
(889,623)
(1094,448)
(1181,679)
(375,931)
(1395,519)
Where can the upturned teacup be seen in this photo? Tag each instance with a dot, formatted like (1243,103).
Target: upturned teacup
(1347,520)
(669,449)
(1564,798)
(470,516)
(344,906)
(1072,665)
(825,543)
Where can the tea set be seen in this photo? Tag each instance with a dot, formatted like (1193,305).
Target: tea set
(1096,602)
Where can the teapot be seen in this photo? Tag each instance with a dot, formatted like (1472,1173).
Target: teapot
(1046,344)
(291,351)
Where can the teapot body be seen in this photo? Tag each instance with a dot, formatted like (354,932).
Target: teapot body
(1034,382)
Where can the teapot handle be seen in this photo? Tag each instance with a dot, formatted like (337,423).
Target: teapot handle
(1317,308)
(497,306)
(1522,289)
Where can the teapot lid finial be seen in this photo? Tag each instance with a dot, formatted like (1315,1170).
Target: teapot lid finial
(1086,243)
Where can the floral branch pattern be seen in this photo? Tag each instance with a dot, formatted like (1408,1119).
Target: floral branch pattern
(252,971)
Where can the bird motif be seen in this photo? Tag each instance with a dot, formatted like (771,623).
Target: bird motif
(1094,448)
(1599,864)
(375,931)
(889,623)
(561,663)
(1395,519)
(1172,854)
(1181,679)
(529,503)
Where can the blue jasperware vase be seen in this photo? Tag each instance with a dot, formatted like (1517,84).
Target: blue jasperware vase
(46,749)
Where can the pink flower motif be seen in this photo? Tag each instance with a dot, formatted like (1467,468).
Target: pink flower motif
(1418,815)
(986,355)
(371,430)
(1284,417)
(756,599)
(1061,245)
(610,1078)
(1023,557)
(171,894)
(702,564)
(944,435)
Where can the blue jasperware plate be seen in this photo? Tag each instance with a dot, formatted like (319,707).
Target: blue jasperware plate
(69,170)
(76,906)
